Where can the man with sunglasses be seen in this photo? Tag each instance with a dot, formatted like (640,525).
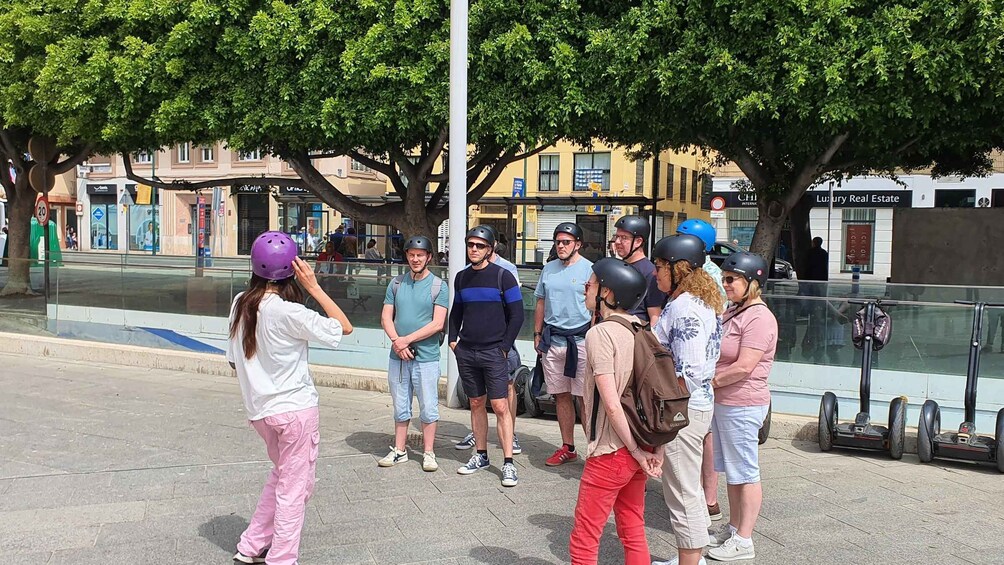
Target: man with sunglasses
(560,324)
(629,244)
(486,318)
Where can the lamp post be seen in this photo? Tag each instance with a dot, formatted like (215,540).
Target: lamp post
(458,163)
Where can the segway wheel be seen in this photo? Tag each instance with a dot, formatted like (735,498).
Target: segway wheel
(827,420)
(520,382)
(1000,440)
(465,402)
(764,432)
(530,405)
(927,429)
(897,427)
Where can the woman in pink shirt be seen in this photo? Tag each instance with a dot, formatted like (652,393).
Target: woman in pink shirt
(749,340)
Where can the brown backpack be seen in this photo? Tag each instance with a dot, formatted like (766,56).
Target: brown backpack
(656,399)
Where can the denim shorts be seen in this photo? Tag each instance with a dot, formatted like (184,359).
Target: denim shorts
(737,450)
(421,379)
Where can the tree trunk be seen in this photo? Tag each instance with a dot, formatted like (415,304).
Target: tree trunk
(801,236)
(22,206)
(768,227)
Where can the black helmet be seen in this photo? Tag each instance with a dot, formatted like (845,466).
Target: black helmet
(419,242)
(634,225)
(570,228)
(681,247)
(486,233)
(494,232)
(750,265)
(628,284)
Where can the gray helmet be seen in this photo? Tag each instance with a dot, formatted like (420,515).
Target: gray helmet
(486,233)
(750,265)
(634,225)
(628,284)
(570,228)
(419,242)
(681,247)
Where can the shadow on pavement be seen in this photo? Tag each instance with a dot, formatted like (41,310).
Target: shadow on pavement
(224,531)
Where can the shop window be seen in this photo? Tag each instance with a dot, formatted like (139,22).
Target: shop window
(954,198)
(591,169)
(859,239)
(549,170)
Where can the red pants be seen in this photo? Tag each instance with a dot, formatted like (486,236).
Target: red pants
(612,481)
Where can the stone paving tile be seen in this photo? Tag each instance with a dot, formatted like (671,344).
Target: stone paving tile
(113,465)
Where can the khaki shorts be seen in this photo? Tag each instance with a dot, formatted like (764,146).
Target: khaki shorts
(553,364)
(681,482)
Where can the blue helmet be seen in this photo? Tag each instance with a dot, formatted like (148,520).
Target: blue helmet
(701,229)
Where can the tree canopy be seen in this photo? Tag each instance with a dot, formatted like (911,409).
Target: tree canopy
(365,78)
(797,92)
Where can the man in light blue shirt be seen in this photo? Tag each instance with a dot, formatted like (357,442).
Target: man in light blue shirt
(560,324)
(413,316)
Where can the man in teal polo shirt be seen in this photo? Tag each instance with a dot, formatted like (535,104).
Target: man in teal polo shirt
(413,316)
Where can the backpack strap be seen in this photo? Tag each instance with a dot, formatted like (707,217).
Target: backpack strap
(596,390)
(437,286)
(396,284)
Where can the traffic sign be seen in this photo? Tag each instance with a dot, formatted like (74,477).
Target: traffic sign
(518,188)
(42,211)
(80,209)
(41,178)
(717,207)
(98,214)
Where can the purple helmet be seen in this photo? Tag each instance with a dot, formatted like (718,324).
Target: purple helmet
(272,255)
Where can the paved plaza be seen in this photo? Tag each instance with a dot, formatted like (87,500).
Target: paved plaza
(114,465)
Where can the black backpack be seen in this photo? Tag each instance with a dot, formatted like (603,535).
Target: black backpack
(656,399)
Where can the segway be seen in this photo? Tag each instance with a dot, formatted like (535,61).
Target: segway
(861,433)
(965,444)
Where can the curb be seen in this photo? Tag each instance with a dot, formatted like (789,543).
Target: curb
(785,427)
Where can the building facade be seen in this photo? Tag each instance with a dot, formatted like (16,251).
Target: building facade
(857,229)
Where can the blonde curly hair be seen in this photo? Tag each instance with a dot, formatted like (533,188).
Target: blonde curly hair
(698,283)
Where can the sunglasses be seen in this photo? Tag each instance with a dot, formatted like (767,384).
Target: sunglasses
(564,242)
(730,279)
(476,245)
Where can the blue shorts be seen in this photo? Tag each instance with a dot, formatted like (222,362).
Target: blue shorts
(737,449)
(421,379)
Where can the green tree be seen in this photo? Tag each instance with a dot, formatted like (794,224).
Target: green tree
(797,93)
(304,80)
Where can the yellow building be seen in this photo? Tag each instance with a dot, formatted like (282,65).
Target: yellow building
(566,173)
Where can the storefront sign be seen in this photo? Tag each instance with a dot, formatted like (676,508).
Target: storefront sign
(102,189)
(821,198)
(859,244)
(250,189)
(293,191)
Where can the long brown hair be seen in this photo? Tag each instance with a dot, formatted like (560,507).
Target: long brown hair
(698,283)
(246,310)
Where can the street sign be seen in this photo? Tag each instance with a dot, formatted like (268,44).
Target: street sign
(98,214)
(518,188)
(42,211)
(717,207)
(41,178)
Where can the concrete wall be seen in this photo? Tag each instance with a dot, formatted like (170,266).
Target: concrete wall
(948,246)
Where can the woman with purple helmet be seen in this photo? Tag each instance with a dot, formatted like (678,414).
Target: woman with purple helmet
(270,330)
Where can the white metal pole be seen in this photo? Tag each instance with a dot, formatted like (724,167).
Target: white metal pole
(458,163)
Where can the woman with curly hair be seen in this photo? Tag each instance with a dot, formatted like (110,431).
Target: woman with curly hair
(690,328)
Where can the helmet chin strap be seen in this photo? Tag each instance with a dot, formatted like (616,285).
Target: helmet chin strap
(597,316)
(633,248)
(487,257)
(571,256)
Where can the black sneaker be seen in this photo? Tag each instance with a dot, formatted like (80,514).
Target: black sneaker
(241,558)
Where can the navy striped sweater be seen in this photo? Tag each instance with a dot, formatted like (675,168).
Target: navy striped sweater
(487,308)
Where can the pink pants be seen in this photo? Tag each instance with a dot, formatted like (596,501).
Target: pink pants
(292,442)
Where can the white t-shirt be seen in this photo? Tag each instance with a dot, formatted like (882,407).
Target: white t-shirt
(276,380)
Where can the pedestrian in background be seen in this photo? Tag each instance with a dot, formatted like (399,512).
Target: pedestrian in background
(270,331)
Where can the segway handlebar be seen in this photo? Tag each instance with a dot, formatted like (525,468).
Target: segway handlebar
(987,304)
(878,301)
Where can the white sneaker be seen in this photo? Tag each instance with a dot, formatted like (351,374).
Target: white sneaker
(393,458)
(676,560)
(720,535)
(732,550)
(429,463)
